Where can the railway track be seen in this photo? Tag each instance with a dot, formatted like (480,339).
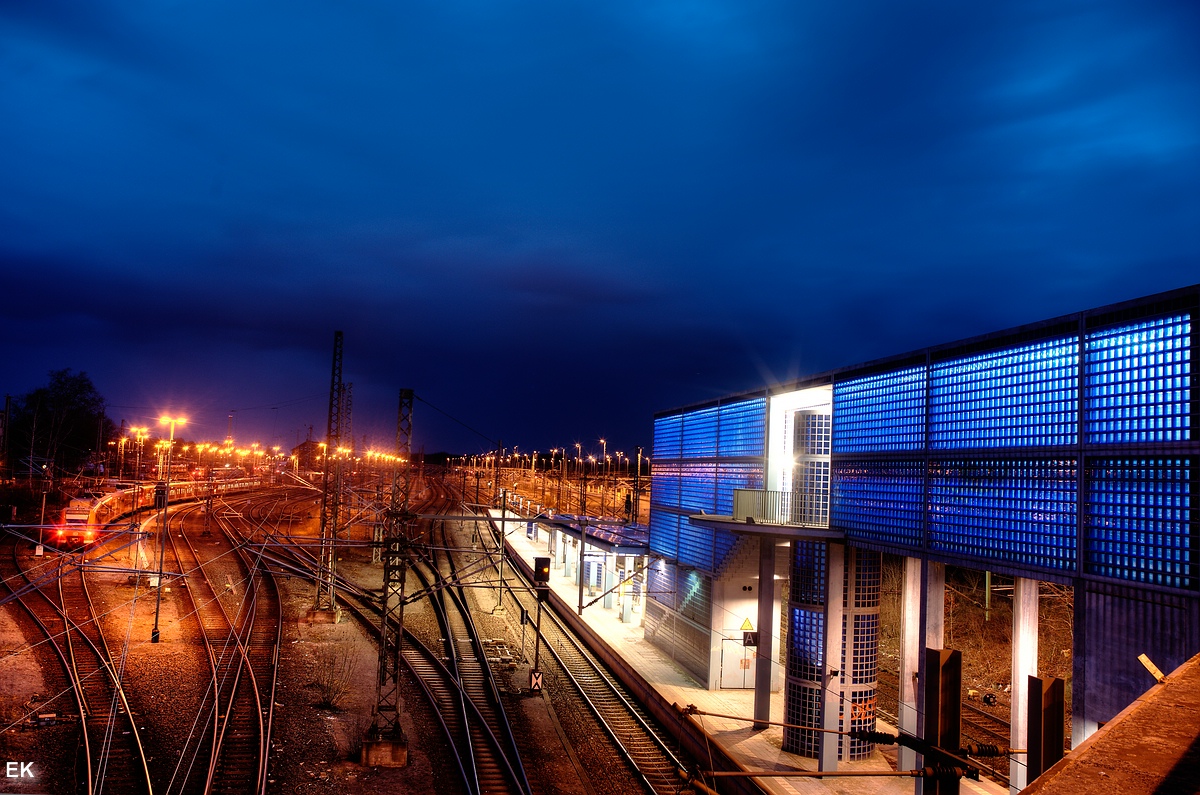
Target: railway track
(239,621)
(977,725)
(455,682)
(642,743)
(453,669)
(497,761)
(111,756)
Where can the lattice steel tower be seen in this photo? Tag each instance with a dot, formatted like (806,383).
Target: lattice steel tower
(397,535)
(331,487)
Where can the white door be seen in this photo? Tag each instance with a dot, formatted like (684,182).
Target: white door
(737,665)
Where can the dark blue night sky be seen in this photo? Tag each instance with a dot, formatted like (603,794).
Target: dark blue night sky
(552,219)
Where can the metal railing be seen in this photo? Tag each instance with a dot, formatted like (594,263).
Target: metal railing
(792,508)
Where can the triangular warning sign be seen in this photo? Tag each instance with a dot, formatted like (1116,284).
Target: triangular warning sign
(747,626)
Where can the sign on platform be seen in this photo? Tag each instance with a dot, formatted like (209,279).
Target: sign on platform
(749,638)
(535,681)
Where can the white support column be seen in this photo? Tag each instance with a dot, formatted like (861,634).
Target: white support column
(764,653)
(935,605)
(1024,665)
(911,648)
(608,581)
(933,619)
(835,569)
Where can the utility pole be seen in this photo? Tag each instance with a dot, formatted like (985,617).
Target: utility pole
(325,606)
(499,610)
(637,488)
(386,745)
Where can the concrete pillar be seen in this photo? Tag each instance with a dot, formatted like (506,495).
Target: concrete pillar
(934,605)
(1024,665)
(834,676)
(764,652)
(912,635)
(608,582)
(1082,726)
(933,620)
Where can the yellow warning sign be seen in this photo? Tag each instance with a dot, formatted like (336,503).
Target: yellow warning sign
(747,626)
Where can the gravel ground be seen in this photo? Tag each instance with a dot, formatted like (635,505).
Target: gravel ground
(24,692)
(315,748)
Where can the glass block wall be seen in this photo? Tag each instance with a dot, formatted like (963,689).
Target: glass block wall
(1015,397)
(1137,385)
(700,457)
(884,412)
(678,614)
(879,500)
(862,581)
(1138,527)
(803,704)
(1014,511)
(810,472)
(1014,455)
(806,667)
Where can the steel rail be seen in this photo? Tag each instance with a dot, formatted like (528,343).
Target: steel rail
(95,682)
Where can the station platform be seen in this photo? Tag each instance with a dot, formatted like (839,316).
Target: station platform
(755,749)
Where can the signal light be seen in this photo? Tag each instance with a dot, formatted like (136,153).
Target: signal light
(541,569)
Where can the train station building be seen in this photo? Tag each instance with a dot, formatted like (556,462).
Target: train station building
(1060,451)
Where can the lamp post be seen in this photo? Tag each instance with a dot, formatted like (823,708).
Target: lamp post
(140,434)
(637,484)
(578,462)
(162,528)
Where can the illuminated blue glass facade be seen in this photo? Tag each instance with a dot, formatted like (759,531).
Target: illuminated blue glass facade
(1139,521)
(1062,450)
(985,453)
(700,457)
(1014,511)
(879,500)
(1015,397)
(1138,382)
(998,453)
(884,412)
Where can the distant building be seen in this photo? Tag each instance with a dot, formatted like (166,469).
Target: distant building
(1059,451)
(309,455)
